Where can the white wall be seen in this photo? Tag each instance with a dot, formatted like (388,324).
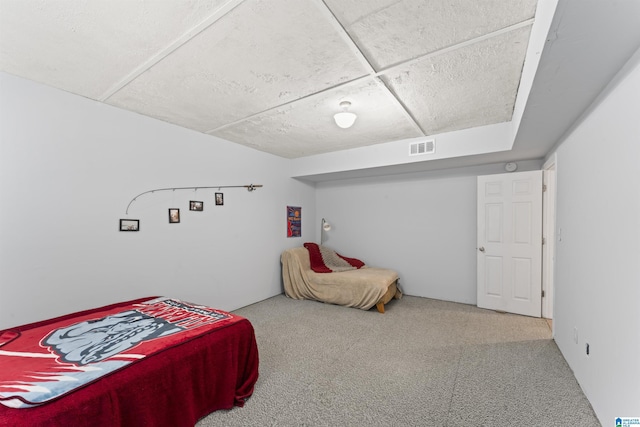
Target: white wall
(69,167)
(423,225)
(598,249)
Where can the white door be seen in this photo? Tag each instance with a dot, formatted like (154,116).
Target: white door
(510,242)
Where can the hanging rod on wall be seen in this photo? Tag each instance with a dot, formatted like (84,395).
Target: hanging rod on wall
(250,187)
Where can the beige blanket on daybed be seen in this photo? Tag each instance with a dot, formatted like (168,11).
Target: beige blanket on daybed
(360,288)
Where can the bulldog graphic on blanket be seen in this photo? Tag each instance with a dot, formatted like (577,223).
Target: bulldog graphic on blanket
(43,363)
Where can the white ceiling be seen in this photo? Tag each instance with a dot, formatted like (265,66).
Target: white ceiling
(270,74)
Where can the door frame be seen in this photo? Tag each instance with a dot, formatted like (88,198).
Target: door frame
(549,196)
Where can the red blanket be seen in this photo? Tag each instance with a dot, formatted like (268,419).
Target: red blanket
(174,387)
(325,260)
(45,362)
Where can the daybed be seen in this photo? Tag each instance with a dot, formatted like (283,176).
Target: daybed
(167,363)
(359,287)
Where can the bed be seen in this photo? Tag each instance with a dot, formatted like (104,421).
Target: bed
(360,287)
(166,362)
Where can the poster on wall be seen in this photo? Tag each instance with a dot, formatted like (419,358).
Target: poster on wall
(294,221)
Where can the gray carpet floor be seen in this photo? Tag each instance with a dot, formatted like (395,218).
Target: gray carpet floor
(423,363)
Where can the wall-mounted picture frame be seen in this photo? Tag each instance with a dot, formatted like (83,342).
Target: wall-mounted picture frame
(195,205)
(174,216)
(129,225)
(219,199)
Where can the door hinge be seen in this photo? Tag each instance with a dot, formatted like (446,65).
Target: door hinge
(543,293)
(544,187)
(544,241)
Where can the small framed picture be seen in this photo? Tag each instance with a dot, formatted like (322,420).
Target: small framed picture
(129,225)
(196,206)
(174,216)
(219,199)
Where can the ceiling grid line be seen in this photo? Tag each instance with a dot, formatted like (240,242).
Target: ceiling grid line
(402,64)
(353,46)
(375,74)
(344,35)
(293,101)
(173,46)
(393,96)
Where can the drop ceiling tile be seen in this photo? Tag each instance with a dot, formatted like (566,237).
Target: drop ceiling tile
(472,86)
(252,76)
(85,47)
(392,31)
(261,55)
(307,127)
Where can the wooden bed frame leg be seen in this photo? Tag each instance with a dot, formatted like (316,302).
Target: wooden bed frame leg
(380,307)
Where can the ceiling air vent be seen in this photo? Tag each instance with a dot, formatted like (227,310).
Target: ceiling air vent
(422,147)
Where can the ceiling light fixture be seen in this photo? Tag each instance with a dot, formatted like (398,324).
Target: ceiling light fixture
(345,119)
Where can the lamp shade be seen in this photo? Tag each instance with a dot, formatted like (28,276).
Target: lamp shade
(324,226)
(345,119)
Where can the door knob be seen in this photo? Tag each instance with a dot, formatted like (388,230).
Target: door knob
(481,248)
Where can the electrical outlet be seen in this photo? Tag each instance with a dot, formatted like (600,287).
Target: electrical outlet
(575,335)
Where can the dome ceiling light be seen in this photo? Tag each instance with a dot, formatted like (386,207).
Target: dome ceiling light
(345,119)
